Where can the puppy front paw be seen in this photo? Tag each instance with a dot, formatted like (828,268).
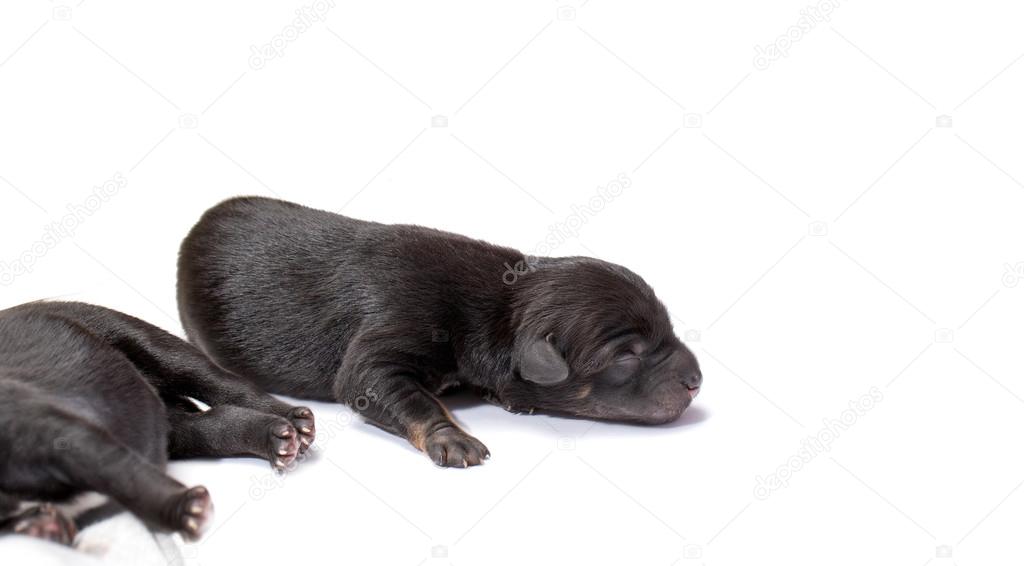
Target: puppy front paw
(450,447)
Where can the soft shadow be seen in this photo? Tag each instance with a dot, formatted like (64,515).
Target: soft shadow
(310,457)
(462,399)
(459,400)
(372,429)
(692,416)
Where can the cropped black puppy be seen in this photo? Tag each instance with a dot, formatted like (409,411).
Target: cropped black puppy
(384,318)
(93,400)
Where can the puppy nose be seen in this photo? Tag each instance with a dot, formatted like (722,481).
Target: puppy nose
(693,380)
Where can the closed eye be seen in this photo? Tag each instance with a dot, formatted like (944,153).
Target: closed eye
(623,368)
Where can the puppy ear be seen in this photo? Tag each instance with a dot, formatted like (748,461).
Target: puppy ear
(542,364)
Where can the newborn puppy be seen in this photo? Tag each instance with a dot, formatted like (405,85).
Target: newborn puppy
(384,318)
(93,400)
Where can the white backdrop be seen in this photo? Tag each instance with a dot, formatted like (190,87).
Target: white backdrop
(827,197)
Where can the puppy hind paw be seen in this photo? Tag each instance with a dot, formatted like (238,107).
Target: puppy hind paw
(450,447)
(305,424)
(47,523)
(192,512)
(283,445)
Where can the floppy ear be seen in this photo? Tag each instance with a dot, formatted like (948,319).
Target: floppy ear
(542,364)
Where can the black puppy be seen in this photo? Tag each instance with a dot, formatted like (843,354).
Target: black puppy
(93,400)
(383,318)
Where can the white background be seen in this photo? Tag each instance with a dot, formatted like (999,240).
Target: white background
(812,230)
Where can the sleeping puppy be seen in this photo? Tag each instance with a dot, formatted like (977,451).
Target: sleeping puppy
(93,400)
(384,318)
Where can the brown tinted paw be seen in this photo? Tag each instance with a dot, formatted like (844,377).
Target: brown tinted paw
(450,447)
(47,523)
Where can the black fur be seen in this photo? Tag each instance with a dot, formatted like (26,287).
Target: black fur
(383,318)
(95,400)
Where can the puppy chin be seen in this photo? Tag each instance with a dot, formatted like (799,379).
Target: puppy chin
(665,404)
(672,400)
(663,415)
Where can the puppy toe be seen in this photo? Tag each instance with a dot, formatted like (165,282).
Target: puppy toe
(453,448)
(305,425)
(457,456)
(283,445)
(437,454)
(480,450)
(192,512)
(472,458)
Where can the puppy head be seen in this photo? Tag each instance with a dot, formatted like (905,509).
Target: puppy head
(592,340)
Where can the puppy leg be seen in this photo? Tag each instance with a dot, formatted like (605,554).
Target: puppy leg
(104,465)
(45,522)
(58,452)
(405,408)
(226,430)
(390,396)
(179,370)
